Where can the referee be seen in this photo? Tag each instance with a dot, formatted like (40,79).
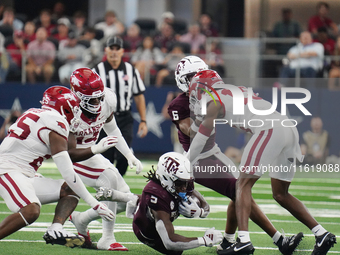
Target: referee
(125,81)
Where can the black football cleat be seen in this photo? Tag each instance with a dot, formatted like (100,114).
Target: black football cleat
(68,240)
(324,243)
(223,245)
(238,248)
(287,245)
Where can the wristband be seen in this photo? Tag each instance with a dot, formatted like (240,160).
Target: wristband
(194,127)
(143,121)
(201,241)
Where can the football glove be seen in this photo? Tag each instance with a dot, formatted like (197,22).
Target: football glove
(212,237)
(133,161)
(190,209)
(104,144)
(104,212)
(104,194)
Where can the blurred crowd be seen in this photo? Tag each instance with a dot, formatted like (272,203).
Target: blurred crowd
(49,47)
(316,54)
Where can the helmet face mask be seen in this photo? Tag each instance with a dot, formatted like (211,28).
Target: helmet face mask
(64,101)
(89,88)
(173,172)
(186,69)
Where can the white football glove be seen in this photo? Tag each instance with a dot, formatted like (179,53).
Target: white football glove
(212,237)
(190,209)
(104,212)
(104,144)
(133,161)
(104,194)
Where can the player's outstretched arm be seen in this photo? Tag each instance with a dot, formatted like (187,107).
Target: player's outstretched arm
(58,145)
(175,242)
(111,129)
(77,155)
(204,132)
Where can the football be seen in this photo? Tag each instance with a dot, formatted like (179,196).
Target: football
(196,200)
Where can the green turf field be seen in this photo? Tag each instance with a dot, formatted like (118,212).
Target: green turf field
(321,196)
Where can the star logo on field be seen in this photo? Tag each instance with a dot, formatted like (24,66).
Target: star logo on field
(153,119)
(16,106)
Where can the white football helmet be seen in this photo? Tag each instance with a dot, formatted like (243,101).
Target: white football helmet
(186,69)
(173,166)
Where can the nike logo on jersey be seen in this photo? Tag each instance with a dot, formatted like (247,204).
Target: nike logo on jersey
(242,247)
(323,239)
(75,179)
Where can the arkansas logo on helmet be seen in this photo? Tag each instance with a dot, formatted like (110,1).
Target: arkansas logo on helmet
(87,85)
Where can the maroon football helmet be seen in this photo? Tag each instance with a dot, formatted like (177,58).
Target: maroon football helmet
(62,100)
(88,85)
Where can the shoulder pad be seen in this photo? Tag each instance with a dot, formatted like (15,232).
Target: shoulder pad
(110,99)
(55,122)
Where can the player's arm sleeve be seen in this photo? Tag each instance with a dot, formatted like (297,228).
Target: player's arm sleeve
(111,128)
(172,241)
(204,132)
(65,167)
(177,110)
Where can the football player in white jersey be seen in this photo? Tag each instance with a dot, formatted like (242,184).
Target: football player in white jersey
(97,106)
(37,135)
(271,145)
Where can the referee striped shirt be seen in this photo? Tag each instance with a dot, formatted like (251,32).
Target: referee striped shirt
(125,82)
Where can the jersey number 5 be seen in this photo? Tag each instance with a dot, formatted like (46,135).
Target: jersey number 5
(25,128)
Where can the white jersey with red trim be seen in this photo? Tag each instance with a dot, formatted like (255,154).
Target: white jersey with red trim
(248,121)
(27,143)
(88,131)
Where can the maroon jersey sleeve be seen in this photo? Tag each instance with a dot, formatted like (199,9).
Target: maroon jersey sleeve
(179,108)
(157,198)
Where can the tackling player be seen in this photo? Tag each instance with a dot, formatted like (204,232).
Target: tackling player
(271,144)
(37,135)
(223,183)
(97,106)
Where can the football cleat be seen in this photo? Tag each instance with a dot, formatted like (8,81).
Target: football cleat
(287,245)
(82,229)
(110,245)
(324,243)
(238,248)
(62,237)
(223,245)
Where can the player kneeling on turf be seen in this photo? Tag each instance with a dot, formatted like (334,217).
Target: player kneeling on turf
(37,135)
(167,195)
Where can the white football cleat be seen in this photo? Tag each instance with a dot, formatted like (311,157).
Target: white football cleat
(82,229)
(110,245)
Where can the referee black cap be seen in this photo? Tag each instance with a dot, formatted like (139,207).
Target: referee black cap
(114,40)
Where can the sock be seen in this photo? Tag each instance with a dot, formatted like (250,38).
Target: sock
(88,216)
(276,237)
(244,236)
(108,226)
(55,226)
(318,230)
(229,237)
